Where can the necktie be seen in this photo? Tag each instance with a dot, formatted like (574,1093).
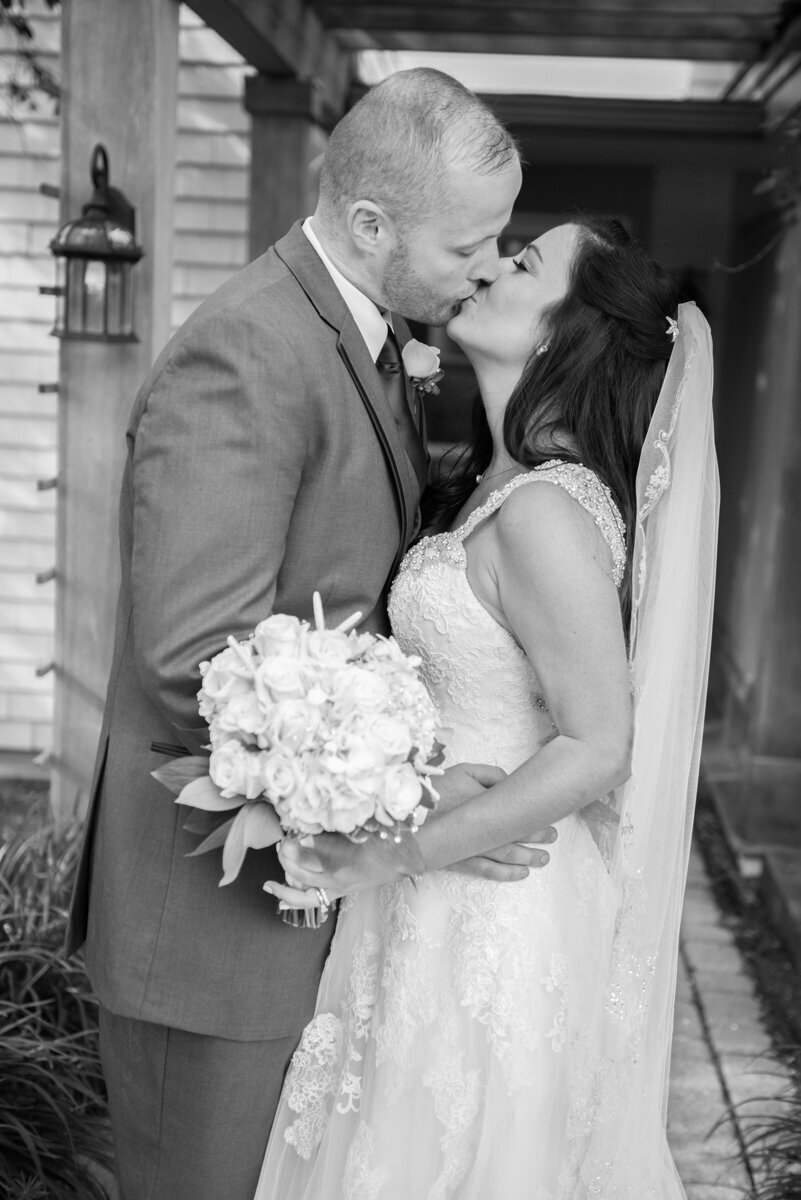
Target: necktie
(390,368)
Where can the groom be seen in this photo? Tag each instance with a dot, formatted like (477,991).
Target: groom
(272,452)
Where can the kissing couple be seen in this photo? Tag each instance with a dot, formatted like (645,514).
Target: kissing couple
(483,1019)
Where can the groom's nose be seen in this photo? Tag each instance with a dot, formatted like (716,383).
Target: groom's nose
(487,267)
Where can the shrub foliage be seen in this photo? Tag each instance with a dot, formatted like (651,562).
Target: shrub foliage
(53,1123)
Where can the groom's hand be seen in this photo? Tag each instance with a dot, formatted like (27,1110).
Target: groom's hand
(509,864)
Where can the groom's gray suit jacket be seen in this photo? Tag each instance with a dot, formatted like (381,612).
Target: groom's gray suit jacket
(264,463)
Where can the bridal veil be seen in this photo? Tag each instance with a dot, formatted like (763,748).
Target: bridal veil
(673,589)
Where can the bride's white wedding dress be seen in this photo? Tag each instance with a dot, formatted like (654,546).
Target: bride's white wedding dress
(452,1054)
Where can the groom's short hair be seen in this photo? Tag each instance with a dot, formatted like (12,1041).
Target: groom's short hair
(396,143)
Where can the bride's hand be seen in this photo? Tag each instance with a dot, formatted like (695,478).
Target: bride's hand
(331,861)
(296,892)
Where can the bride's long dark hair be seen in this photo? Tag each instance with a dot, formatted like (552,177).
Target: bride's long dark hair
(596,387)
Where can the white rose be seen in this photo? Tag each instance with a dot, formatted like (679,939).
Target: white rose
(225,676)
(279,774)
(277,635)
(391,736)
(387,649)
(234,769)
(350,753)
(241,714)
(293,724)
(361,689)
(342,808)
(282,677)
(419,359)
(400,794)
(305,810)
(329,648)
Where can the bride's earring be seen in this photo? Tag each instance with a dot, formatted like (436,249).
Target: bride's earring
(543,349)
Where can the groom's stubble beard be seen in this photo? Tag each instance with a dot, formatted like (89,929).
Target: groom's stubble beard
(409,293)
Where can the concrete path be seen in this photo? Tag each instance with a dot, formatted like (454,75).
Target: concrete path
(721,1053)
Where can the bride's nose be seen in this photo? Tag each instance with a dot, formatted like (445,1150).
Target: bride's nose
(506,267)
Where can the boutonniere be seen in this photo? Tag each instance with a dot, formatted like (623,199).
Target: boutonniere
(421,363)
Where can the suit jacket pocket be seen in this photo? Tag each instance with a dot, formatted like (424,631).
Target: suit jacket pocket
(167,748)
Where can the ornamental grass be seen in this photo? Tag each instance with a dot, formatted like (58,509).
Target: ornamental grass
(772,1139)
(54,1136)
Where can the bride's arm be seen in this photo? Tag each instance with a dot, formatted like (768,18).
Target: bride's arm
(546,573)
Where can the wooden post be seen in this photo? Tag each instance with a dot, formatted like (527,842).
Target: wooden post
(289,138)
(760,602)
(120,72)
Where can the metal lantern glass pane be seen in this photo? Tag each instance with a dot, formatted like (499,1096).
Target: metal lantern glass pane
(96,257)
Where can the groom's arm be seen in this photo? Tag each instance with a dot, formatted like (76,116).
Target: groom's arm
(215,464)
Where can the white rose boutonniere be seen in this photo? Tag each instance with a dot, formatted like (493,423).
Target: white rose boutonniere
(421,363)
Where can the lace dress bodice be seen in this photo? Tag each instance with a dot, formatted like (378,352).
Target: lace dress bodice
(481,680)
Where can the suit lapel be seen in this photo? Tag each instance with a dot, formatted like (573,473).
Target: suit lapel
(356,357)
(419,452)
(297,253)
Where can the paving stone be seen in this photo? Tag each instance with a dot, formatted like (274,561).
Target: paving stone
(695,1076)
(734,983)
(735,1023)
(712,956)
(705,932)
(687,1049)
(687,1022)
(705,1148)
(696,1165)
(754,1086)
(700,909)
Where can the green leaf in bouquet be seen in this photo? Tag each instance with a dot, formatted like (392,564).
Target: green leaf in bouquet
(201,822)
(202,793)
(215,839)
(438,756)
(255,826)
(178,772)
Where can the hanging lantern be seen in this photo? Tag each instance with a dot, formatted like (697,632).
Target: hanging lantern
(96,255)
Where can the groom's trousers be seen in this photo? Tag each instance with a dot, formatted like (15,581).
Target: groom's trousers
(190,1114)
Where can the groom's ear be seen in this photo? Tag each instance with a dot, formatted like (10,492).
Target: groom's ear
(371,230)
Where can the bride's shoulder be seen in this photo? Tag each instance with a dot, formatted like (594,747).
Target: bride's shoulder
(549,525)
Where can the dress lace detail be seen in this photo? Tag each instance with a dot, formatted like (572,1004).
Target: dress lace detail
(451,1057)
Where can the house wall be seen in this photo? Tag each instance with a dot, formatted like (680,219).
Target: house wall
(210,243)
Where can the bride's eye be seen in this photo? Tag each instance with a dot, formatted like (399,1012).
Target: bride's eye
(521,266)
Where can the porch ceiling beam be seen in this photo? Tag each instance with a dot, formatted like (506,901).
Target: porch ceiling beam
(282,38)
(711,50)
(683,7)
(668,28)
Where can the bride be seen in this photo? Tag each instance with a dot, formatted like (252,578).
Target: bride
(483,1041)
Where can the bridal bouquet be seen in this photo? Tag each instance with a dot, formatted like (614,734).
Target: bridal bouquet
(312,730)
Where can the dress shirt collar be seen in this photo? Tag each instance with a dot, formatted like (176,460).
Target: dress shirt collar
(371,321)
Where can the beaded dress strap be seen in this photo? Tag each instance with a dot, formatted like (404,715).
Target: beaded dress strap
(579,482)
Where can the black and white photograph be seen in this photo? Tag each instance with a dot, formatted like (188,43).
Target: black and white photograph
(400,600)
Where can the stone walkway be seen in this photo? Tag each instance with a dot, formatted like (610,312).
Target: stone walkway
(721,1053)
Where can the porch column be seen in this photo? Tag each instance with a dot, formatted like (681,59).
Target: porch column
(120,72)
(764,608)
(289,136)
